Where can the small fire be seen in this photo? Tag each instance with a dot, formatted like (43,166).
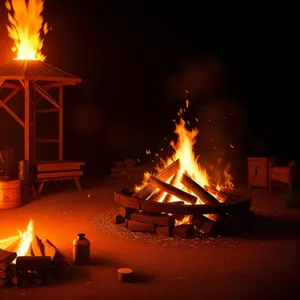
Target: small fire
(25,239)
(185,153)
(26,24)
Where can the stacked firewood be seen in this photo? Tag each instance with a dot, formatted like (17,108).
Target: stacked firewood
(164,224)
(43,263)
(140,212)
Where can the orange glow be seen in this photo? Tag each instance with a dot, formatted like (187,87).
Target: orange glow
(25,239)
(189,164)
(185,220)
(25,26)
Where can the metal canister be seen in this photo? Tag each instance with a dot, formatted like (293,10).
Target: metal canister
(81,250)
(23,171)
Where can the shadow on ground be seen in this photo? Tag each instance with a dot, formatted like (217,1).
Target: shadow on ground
(266,227)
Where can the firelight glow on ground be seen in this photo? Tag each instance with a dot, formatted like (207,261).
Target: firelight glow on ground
(25,26)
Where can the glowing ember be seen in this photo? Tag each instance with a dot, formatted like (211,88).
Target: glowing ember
(26,24)
(184,152)
(25,240)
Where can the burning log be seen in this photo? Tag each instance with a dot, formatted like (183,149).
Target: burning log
(172,190)
(199,191)
(163,220)
(173,181)
(140,227)
(156,196)
(184,231)
(220,194)
(163,175)
(145,192)
(37,247)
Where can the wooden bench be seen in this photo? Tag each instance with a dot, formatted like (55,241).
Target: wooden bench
(42,172)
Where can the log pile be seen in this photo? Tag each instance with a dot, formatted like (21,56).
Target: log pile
(220,211)
(43,263)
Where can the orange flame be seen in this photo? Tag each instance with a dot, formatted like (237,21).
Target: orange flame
(25,25)
(184,152)
(25,239)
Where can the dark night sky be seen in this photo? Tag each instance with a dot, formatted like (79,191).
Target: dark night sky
(127,51)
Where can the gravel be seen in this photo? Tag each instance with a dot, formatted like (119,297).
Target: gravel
(266,225)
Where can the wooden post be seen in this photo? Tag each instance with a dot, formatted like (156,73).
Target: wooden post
(33,137)
(60,99)
(27,122)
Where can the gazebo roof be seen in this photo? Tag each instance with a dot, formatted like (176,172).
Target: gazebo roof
(34,70)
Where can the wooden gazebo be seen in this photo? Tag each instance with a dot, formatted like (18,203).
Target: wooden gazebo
(35,78)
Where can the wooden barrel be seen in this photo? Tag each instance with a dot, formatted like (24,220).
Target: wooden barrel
(10,194)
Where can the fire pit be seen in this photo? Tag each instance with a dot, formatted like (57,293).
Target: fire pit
(26,259)
(182,199)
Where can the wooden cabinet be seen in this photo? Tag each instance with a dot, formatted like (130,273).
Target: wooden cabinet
(258,171)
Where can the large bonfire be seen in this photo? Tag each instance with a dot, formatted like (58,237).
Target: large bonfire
(184,151)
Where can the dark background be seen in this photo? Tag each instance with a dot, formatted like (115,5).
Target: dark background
(136,58)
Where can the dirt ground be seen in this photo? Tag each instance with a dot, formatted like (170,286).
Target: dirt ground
(237,268)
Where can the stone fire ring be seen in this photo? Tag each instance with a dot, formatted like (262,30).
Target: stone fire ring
(238,203)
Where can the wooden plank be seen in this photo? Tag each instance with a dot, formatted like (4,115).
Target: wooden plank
(163,220)
(126,201)
(56,84)
(59,174)
(56,179)
(27,122)
(45,95)
(57,166)
(198,190)
(162,175)
(140,227)
(163,186)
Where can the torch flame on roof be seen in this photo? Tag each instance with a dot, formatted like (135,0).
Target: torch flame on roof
(26,24)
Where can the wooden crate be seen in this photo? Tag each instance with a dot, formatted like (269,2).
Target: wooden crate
(258,171)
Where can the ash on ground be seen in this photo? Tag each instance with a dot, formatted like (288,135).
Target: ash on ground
(265,226)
